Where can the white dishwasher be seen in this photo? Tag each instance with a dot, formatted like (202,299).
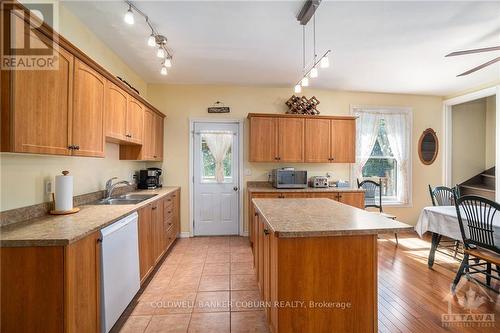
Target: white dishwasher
(120,278)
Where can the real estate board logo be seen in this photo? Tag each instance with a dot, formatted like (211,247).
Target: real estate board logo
(26,43)
(469,306)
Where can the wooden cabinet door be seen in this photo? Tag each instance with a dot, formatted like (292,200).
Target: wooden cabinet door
(145,241)
(343,147)
(158,236)
(149,136)
(135,121)
(42,108)
(291,139)
(88,111)
(177,211)
(317,141)
(260,260)
(158,137)
(83,278)
(263,139)
(116,112)
(355,199)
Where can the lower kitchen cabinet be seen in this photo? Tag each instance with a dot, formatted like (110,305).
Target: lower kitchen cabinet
(349,197)
(159,226)
(52,288)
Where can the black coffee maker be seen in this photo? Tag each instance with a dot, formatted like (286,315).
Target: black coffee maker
(149,179)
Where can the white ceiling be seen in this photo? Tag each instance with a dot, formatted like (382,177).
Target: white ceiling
(377,46)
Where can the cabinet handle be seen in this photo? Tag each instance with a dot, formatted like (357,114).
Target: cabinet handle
(71,147)
(77,147)
(155,156)
(169,212)
(266,232)
(154,208)
(256,214)
(99,240)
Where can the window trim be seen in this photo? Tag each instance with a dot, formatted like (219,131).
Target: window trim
(381,109)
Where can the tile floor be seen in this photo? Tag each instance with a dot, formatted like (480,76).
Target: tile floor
(205,284)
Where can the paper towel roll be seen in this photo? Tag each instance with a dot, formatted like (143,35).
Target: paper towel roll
(64,192)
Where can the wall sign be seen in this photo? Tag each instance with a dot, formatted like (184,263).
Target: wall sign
(218,107)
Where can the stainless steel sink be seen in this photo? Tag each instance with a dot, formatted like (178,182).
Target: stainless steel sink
(127,199)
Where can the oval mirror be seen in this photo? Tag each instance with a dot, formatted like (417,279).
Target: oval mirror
(428,146)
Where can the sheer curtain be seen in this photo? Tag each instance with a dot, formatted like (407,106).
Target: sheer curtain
(366,134)
(219,144)
(397,134)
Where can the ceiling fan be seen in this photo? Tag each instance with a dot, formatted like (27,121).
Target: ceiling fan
(485,49)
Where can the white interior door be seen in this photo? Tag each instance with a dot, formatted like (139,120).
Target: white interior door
(216,206)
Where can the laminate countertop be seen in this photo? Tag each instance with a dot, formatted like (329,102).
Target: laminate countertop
(322,217)
(60,230)
(267,187)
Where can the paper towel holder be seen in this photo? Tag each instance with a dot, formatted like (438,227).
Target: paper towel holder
(62,212)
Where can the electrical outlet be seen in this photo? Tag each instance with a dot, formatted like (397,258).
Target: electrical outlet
(48,187)
(248,172)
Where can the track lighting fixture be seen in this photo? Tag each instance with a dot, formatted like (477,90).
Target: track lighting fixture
(129,16)
(310,71)
(155,39)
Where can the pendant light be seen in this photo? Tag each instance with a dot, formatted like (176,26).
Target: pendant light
(297,89)
(168,62)
(152,40)
(129,16)
(324,63)
(163,70)
(304,82)
(313,73)
(160,53)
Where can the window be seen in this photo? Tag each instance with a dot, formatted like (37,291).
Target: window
(222,144)
(383,151)
(381,165)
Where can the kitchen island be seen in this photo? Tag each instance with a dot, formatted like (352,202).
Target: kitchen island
(316,263)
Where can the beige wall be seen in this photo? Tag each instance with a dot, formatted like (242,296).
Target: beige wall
(23,175)
(490,132)
(473,148)
(180,102)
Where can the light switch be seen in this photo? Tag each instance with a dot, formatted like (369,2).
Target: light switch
(248,172)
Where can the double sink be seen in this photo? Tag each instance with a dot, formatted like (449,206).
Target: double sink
(126,199)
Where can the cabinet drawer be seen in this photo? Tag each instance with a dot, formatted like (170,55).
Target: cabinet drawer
(171,235)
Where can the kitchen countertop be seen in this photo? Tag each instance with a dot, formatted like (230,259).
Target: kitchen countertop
(60,230)
(267,187)
(322,217)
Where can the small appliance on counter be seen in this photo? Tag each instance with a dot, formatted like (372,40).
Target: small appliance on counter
(318,182)
(289,178)
(149,179)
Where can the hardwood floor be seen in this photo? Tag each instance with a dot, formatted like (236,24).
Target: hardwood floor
(206,284)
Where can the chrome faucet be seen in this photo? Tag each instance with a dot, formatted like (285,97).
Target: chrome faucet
(110,186)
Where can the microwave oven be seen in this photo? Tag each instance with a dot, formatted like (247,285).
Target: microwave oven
(286,178)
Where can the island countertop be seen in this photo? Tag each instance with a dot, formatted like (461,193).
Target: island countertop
(60,230)
(322,217)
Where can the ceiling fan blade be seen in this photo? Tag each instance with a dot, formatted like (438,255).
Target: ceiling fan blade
(485,49)
(491,62)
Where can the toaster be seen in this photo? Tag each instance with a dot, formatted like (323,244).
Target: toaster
(318,181)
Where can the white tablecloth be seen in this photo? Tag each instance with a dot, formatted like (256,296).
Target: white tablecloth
(443,220)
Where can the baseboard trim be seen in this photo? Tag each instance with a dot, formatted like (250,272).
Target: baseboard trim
(185,234)
(245,234)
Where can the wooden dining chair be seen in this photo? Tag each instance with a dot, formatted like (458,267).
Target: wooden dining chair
(373,198)
(444,196)
(475,216)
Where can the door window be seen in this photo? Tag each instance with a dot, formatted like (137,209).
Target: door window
(216,157)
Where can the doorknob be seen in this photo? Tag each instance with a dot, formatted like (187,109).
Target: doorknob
(235,188)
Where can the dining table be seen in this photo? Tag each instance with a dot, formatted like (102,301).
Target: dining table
(443,221)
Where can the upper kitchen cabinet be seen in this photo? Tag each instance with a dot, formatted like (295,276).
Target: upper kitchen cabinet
(116,113)
(70,110)
(88,112)
(152,145)
(317,141)
(343,140)
(291,139)
(263,139)
(300,138)
(37,108)
(135,121)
